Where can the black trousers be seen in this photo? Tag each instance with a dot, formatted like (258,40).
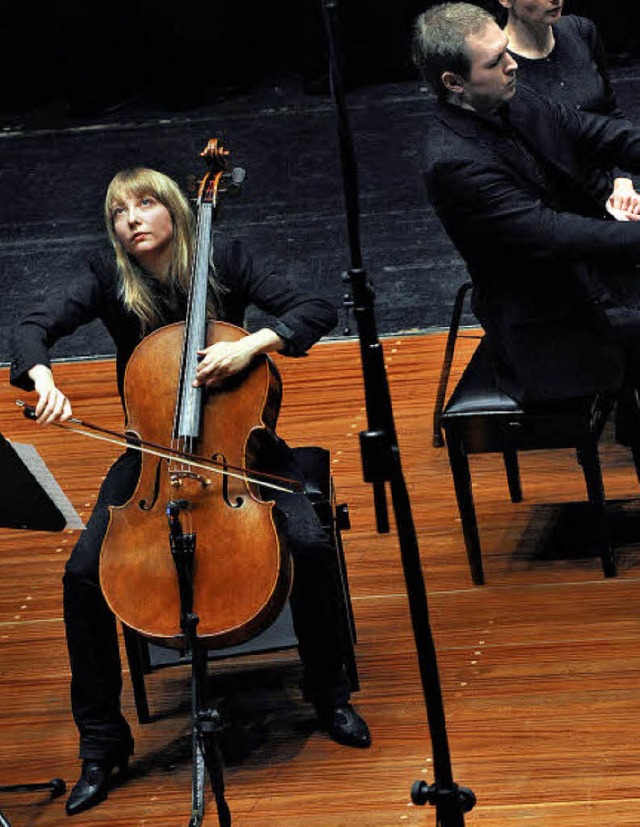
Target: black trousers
(96,678)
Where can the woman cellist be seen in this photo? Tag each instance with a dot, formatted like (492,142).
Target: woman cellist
(144,286)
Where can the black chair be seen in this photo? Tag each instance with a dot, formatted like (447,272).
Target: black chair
(145,657)
(479,418)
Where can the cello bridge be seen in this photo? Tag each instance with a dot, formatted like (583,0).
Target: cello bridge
(177,478)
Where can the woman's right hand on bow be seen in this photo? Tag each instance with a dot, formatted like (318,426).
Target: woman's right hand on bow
(52,405)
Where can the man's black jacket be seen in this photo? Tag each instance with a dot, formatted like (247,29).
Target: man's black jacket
(536,238)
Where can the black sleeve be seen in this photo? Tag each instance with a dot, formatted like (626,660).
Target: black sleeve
(298,317)
(62,312)
(480,201)
(614,143)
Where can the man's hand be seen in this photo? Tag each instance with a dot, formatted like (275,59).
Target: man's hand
(52,405)
(624,202)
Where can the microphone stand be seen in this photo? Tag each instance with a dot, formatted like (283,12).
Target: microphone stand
(381,466)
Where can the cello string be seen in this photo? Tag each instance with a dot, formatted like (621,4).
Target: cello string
(188,397)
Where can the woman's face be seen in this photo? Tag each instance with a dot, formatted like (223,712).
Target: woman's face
(144,227)
(536,12)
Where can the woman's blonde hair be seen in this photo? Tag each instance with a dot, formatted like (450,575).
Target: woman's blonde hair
(138,182)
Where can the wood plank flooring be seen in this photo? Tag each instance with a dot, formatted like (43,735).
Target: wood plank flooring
(539,667)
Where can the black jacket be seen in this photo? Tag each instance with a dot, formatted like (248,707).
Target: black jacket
(299,318)
(537,241)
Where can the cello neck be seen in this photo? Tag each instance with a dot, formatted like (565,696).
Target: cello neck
(189,412)
(190,398)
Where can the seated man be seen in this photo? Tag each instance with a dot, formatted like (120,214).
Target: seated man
(511,177)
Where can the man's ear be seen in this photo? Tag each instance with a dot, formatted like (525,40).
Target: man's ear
(508,4)
(452,82)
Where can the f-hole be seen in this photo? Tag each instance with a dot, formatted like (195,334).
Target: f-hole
(156,490)
(222,460)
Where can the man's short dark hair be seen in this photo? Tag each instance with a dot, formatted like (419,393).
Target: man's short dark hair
(439,40)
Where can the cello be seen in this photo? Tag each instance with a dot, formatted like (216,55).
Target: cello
(190,543)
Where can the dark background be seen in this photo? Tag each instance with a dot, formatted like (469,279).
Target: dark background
(90,89)
(179,54)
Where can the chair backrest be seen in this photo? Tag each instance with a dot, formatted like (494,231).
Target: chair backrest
(454,326)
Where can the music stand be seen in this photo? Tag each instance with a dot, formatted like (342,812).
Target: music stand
(30,498)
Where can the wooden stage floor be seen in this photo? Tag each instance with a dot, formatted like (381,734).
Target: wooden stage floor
(540,667)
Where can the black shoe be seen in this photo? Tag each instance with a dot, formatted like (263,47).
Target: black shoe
(93,785)
(344,725)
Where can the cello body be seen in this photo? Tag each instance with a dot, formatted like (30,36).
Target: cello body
(241,573)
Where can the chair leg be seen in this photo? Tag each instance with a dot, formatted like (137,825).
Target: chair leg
(137,656)
(342,567)
(590,462)
(335,518)
(340,520)
(462,483)
(348,622)
(512,468)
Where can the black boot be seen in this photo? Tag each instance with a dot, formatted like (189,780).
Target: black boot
(93,785)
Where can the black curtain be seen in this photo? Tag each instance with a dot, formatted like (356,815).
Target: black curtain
(618,22)
(89,56)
